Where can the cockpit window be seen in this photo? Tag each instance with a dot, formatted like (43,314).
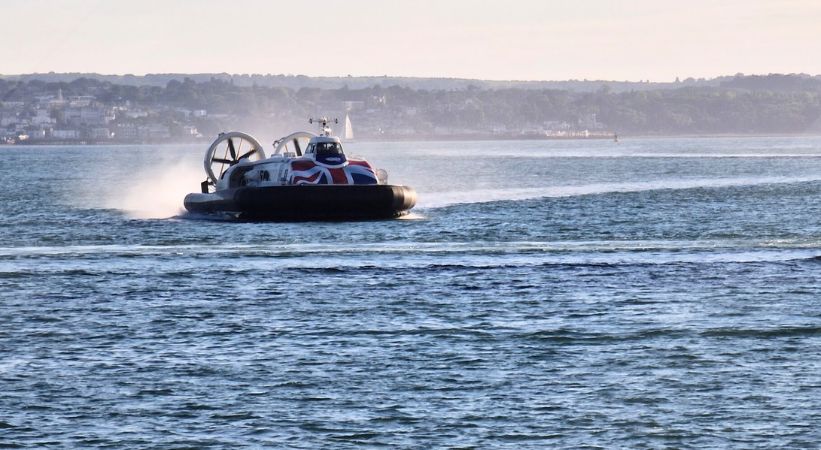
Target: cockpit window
(328,149)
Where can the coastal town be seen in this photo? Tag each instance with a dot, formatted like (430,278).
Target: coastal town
(84,119)
(95,112)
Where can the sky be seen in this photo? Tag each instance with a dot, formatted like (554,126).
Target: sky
(656,40)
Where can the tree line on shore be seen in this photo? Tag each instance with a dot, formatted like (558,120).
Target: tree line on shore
(740,104)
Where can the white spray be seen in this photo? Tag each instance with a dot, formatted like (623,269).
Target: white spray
(157,194)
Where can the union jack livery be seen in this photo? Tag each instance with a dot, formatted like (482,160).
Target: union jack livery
(306,171)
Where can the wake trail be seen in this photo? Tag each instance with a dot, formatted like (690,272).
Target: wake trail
(434,200)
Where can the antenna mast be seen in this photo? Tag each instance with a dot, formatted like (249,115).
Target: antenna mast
(322,122)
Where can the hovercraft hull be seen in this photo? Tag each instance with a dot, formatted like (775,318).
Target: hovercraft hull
(306,202)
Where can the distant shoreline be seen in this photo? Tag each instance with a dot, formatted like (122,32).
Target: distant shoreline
(87,111)
(437,139)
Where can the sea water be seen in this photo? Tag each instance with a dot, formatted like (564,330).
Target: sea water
(659,293)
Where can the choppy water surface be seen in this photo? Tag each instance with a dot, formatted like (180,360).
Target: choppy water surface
(651,293)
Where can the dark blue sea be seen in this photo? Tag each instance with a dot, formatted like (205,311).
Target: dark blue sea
(651,293)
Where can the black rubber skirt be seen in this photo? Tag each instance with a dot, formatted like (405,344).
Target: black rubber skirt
(298,203)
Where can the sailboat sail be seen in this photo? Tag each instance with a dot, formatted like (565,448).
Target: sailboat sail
(348,128)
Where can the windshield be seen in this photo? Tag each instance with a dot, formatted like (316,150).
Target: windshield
(328,149)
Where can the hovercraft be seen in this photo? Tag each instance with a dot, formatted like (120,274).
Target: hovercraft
(319,183)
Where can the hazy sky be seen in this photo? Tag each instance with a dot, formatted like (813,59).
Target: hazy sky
(510,39)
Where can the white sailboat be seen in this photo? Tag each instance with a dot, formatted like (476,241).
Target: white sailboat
(348,136)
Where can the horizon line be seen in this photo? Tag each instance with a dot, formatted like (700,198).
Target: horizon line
(589,80)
